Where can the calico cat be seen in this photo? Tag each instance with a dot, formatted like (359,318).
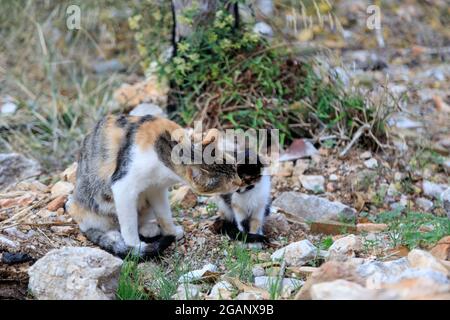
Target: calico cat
(124,171)
(244,211)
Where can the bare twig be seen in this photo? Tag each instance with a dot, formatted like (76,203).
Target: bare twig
(363,129)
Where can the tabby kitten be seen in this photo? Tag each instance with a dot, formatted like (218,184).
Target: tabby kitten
(245,210)
(124,172)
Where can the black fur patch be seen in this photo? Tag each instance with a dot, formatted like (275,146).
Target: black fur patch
(123,157)
(122,121)
(163,146)
(155,249)
(231,230)
(250,173)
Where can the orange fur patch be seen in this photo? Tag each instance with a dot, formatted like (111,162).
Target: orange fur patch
(150,131)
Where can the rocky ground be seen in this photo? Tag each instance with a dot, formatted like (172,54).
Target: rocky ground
(370,224)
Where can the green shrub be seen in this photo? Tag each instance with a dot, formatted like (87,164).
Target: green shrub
(233,78)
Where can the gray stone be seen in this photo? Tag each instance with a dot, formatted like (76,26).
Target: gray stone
(366,155)
(5,242)
(221,290)
(371,163)
(377,273)
(341,290)
(263,29)
(108,66)
(249,296)
(345,247)
(425,260)
(296,254)
(312,208)
(446,164)
(289,285)
(265,7)
(333,177)
(431,189)
(75,273)
(445,198)
(197,274)
(313,183)
(187,291)
(15,167)
(258,271)
(8,108)
(424,204)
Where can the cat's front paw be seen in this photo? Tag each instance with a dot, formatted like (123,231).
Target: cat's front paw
(179,232)
(176,231)
(150,230)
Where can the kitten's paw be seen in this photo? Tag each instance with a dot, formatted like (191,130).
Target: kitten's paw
(139,249)
(150,230)
(176,231)
(179,232)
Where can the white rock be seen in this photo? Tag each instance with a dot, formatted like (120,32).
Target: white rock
(333,177)
(221,290)
(371,163)
(8,108)
(62,188)
(425,260)
(145,109)
(75,273)
(197,274)
(313,183)
(15,167)
(445,198)
(366,155)
(377,273)
(405,123)
(345,247)
(424,204)
(258,271)
(340,290)
(266,7)
(392,190)
(296,253)
(249,296)
(311,207)
(431,189)
(187,291)
(446,164)
(263,29)
(14,232)
(8,243)
(289,285)
(107,66)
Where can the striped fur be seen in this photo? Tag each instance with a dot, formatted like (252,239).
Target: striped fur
(124,172)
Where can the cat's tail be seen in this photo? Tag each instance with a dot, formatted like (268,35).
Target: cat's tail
(113,242)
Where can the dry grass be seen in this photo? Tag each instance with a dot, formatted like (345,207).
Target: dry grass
(46,68)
